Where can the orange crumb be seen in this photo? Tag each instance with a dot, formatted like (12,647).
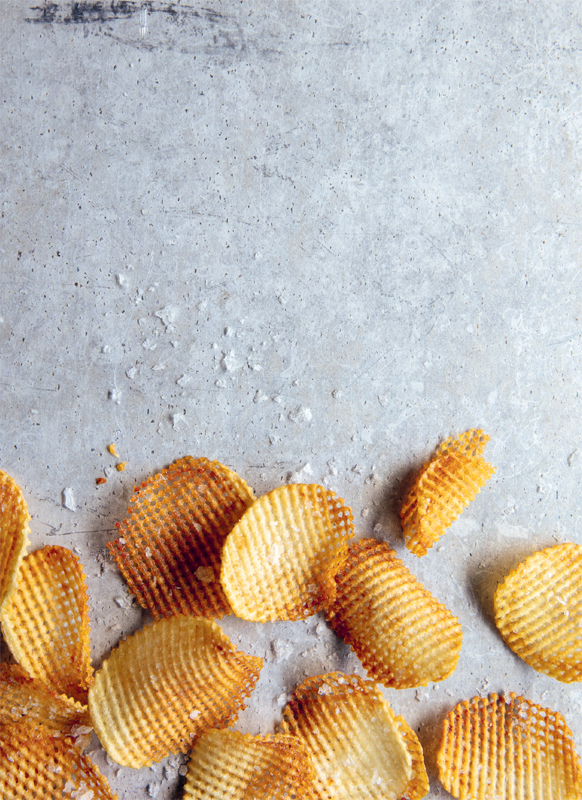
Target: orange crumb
(112,450)
(121,467)
(101,480)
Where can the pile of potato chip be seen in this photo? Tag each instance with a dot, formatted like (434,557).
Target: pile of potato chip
(196,545)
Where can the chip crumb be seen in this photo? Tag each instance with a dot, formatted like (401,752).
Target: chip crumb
(100,481)
(205,574)
(112,449)
(121,466)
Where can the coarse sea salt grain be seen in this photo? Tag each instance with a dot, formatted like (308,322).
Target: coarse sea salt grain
(69,499)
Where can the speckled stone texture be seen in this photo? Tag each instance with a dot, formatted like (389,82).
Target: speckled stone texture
(308,240)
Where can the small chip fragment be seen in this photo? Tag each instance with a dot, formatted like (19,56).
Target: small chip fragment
(401,633)
(26,699)
(229,764)
(112,449)
(145,695)
(355,740)
(46,621)
(182,516)
(538,610)
(14,532)
(280,560)
(37,763)
(121,466)
(446,484)
(508,748)
(101,481)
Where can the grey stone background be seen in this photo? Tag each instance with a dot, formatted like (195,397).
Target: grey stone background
(309,240)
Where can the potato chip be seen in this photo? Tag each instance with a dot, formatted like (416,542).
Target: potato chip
(228,764)
(508,748)
(358,747)
(26,699)
(402,635)
(46,621)
(280,559)
(14,532)
(445,486)
(39,764)
(170,544)
(538,610)
(165,685)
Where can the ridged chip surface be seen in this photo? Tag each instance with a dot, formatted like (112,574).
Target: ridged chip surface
(165,685)
(14,532)
(401,633)
(26,699)
(445,486)
(228,764)
(39,764)
(280,559)
(46,621)
(359,748)
(170,546)
(508,748)
(538,610)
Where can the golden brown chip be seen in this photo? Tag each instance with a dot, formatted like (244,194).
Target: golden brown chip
(26,699)
(508,748)
(227,764)
(40,764)
(358,747)
(164,686)
(538,610)
(14,533)
(46,621)
(402,635)
(445,486)
(170,544)
(280,559)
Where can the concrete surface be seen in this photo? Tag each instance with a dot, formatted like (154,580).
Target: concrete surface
(309,240)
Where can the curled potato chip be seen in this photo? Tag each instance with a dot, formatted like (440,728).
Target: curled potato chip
(229,764)
(508,748)
(46,621)
(445,486)
(165,685)
(171,542)
(402,635)
(538,610)
(280,559)
(14,532)
(26,699)
(39,764)
(358,746)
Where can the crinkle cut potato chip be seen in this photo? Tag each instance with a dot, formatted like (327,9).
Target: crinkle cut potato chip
(446,484)
(538,610)
(508,748)
(228,764)
(26,699)
(170,545)
(358,746)
(280,559)
(165,685)
(14,532)
(39,764)
(46,621)
(402,635)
